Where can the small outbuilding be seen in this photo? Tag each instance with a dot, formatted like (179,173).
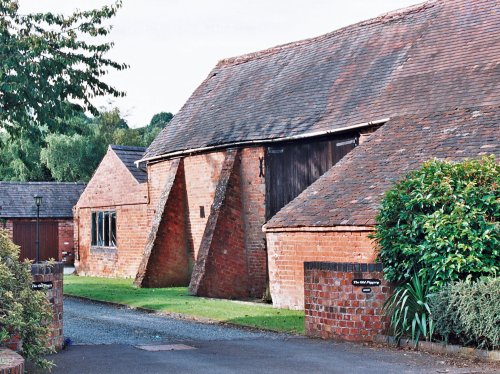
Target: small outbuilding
(111,216)
(18,212)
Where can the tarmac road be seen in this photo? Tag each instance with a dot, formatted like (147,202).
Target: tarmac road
(106,340)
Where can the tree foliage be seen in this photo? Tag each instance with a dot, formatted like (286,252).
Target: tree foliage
(71,157)
(23,312)
(20,157)
(72,151)
(52,64)
(443,218)
(159,120)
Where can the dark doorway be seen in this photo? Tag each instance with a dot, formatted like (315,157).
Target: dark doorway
(25,237)
(292,167)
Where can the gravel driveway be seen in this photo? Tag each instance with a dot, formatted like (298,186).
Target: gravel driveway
(108,340)
(96,323)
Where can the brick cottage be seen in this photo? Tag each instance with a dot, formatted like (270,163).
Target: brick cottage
(18,216)
(111,216)
(263,126)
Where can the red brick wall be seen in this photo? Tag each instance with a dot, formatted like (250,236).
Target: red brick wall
(221,267)
(66,241)
(202,174)
(171,258)
(253,192)
(113,188)
(336,309)
(132,225)
(112,184)
(289,250)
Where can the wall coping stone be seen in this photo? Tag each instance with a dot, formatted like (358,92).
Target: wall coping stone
(343,266)
(44,268)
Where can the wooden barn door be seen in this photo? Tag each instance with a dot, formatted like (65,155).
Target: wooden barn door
(292,167)
(25,237)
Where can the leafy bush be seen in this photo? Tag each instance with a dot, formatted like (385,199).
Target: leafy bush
(442,218)
(23,312)
(469,312)
(409,309)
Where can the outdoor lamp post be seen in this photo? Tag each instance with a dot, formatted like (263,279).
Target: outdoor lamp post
(38,202)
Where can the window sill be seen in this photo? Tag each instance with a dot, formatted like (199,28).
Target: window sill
(102,250)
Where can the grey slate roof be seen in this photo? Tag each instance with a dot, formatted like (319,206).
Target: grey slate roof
(128,155)
(16,199)
(431,57)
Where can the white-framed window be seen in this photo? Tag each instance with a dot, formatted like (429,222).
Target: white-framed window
(103,228)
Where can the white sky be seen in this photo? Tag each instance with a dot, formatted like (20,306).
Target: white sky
(171,45)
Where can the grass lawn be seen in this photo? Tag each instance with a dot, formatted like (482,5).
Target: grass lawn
(177,300)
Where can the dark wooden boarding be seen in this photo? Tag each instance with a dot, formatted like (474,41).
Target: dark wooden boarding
(292,167)
(25,237)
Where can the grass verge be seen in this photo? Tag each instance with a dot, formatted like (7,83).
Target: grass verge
(177,300)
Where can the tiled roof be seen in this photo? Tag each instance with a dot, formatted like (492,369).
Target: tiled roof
(128,155)
(16,199)
(350,192)
(438,55)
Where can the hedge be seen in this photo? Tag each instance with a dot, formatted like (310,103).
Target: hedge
(469,313)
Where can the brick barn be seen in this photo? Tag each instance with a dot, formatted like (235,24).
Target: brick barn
(263,126)
(111,216)
(18,216)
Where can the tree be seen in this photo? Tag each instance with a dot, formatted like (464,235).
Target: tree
(159,120)
(72,158)
(157,123)
(127,137)
(49,67)
(20,158)
(107,123)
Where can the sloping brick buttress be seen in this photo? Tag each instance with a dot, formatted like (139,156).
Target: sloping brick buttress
(221,269)
(167,260)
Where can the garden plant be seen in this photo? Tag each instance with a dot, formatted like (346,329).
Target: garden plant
(438,226)
(24,313)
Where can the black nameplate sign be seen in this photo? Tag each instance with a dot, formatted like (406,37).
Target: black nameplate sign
(366,282)
(42,286)
(366,290)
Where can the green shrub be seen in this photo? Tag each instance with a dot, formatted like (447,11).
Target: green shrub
(442,218)
(469,312)
(409,310)
(23,312)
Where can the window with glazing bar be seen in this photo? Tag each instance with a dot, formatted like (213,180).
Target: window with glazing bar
(103,229)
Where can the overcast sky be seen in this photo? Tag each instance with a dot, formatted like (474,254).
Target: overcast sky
(171,45)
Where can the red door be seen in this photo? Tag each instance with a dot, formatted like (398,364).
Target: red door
(25,237)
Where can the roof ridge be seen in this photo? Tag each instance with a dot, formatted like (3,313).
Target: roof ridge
(383,18)
(127,147)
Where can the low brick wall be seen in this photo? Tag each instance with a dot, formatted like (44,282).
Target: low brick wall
(337,309)
(288,250)
(53,273)
(10,362)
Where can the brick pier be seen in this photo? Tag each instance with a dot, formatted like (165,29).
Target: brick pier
(44,272)
(337,309)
